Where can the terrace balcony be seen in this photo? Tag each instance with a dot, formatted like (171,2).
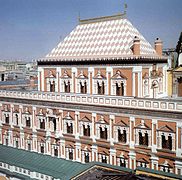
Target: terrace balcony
(169,105)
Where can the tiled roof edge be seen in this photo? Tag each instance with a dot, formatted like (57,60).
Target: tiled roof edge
(102,18)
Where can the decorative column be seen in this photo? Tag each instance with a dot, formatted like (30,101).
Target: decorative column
(90,79)
(178,139)
(10,137)
(137,81)
(34,142)
(111,119)
(11,115)
(22,141)
(20,118)
(74,74)
(41,79)
(133,84)
(132,124)
(154,162)
(78,151)
(112,156)
(108,75)
(154,135)
(48,145)
(62,148)
(94,152)
(140,86)
(76,125)
(93,133)
(34,123)
(132,160)
(57,88)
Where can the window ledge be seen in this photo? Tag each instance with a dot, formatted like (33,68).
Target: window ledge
(166,150)
(143,147)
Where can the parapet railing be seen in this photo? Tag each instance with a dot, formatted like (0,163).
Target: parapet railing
(101,100)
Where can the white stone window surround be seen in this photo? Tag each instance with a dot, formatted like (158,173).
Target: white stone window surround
(81,80)
(166,134)
(103,126)
(103,156)
(68,150)
(49,124)
(15,140)
(25,117)
(4,115)
(41,144)
(118,81)
(28,141)
(68,122)
(53,147)
(40,118)
(81,123)
(85,152)
(65,79)
(99,80)
(51,80)
(15,118)
(123,159)
(121,128)
(5,138)
(143,131)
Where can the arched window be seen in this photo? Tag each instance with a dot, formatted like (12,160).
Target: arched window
(69,128)
(42,123)
(103,159)
(86,130)
(42,149)
(143,140)
(86,157)
(101,88)
(16,119)
(29,146)
(83,87)
(120,89)
(52,86)
(122,162)
(122,137)
(103,133)
(28,123)
(56,152)
(67,87)
(167,143)
(71,154)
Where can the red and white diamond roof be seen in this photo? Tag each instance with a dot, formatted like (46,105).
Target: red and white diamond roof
(103,38)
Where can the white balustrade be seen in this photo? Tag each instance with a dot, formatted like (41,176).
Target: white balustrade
(169,105)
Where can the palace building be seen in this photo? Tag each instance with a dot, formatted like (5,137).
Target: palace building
(102,97)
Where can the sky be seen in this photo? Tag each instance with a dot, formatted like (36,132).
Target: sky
(30,29)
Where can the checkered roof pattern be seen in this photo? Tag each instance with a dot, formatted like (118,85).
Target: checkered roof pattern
(111,38)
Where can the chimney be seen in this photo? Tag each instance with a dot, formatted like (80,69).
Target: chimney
(158,46)
(136,46)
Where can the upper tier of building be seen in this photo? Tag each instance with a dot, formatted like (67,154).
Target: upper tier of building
(103,37)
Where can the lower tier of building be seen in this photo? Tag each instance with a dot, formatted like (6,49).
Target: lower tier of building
(122,137)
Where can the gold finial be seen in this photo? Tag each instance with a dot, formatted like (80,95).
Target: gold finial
(125,7)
